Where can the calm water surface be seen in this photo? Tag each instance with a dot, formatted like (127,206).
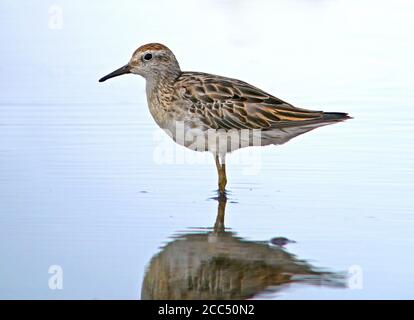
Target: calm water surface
(89,183)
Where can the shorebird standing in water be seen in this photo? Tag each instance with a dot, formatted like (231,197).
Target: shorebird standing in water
(206,112)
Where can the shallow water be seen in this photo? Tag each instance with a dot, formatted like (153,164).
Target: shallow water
(90,184)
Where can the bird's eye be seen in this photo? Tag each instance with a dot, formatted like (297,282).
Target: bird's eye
(148,56)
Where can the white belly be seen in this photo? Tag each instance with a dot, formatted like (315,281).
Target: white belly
(199,138)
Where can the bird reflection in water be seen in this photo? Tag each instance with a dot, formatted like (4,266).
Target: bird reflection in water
(217,264)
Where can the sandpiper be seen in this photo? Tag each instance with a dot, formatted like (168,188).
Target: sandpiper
(206,112)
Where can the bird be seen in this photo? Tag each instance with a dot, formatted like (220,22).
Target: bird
(207,112)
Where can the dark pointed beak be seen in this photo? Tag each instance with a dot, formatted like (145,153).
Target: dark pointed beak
(118,72)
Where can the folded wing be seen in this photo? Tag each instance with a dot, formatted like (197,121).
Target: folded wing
(224,103)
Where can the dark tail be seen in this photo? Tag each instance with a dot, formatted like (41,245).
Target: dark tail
(335,116)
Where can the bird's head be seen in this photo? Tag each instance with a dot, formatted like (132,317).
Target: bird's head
(151,61)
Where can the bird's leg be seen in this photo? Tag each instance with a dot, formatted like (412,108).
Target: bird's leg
(221,170)
(223,179)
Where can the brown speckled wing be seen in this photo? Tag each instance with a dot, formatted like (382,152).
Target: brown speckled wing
(224,103)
